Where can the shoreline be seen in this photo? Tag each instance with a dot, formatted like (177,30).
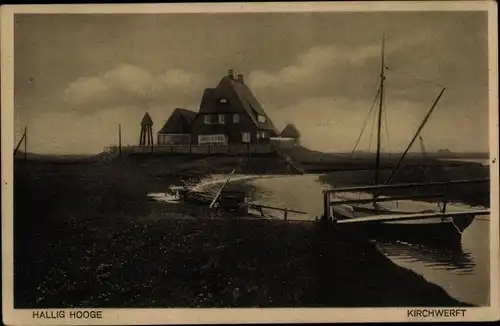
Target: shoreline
(107,227)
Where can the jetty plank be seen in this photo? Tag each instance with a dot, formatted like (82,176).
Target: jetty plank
(407,217)
(406,185)
(393,198)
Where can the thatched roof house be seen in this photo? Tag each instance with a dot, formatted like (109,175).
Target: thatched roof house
(238,99)
(230,113)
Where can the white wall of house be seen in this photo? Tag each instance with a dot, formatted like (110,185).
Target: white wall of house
(217,139)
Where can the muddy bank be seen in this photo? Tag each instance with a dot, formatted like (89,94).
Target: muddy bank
(84,237)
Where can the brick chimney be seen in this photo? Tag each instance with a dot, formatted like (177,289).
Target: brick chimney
(230,73)
(240,78)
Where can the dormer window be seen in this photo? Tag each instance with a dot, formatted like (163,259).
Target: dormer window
(207,119)
(223,101)
(261,119)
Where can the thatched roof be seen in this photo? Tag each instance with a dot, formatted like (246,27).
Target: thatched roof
(240,100)
(146,120)
(290,131)
(179,122)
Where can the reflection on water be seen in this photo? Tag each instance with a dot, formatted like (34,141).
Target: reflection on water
(449,259)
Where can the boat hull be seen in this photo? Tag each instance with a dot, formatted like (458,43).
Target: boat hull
(446,232)
(195,198)
(433,230)
(228,200)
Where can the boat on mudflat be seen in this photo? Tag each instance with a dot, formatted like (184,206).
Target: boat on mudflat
(425,225)
(194,197)
(227,203)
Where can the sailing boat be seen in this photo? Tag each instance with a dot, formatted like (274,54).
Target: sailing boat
(405,218)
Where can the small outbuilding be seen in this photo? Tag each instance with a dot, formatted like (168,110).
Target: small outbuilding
(177,129)
(288,138)
(290,131)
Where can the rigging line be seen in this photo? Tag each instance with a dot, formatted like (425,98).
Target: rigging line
(20,142)
(429,81)
(456,227)
(366,120)
(371,134)
(386,124)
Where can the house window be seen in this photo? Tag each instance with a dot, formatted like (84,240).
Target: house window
(207,119)
(222,119)
(236,118)
(261,135)
(211,139)
(245,137)
(223,100)
(261,119)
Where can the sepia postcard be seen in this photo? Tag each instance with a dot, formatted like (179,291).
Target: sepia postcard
(250,163)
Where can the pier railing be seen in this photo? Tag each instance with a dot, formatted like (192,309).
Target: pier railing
(229,149)
(328,203)
(406,185)
(285,211)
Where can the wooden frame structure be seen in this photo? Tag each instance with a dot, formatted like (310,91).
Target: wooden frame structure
(328,203)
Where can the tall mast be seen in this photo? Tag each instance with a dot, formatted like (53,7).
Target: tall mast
(379,122)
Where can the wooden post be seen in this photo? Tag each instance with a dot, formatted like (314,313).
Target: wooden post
(286,215)
(120,139)
(326,205)
(153,145)
(446,190)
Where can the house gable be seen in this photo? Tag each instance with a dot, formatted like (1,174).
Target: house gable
(233,96)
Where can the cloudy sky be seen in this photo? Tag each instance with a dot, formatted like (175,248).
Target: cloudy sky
(78,76)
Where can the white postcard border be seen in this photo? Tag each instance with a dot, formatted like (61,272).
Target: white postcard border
(237,315)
